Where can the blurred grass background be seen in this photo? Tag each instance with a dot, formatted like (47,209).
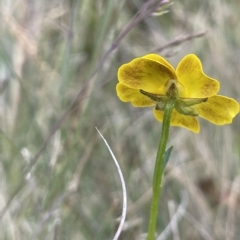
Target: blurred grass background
(49,51)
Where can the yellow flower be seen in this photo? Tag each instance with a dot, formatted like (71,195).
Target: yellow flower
(152,81)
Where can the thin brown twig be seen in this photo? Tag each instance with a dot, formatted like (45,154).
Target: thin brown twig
(180,39)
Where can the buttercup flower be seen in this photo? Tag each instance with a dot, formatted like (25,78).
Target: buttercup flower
(152,81)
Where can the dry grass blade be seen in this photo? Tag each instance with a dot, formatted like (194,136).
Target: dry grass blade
(204,233)
(124,210)
(174,223)
(179,40)
(176,218)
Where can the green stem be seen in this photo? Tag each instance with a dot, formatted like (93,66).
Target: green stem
(158,171)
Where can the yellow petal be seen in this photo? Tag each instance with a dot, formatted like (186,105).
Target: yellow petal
(218,109)
(196,83)
(145,74)
(134,96)
(180,120)
(162,61)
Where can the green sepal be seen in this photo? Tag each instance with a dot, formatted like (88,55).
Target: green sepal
(185,110)
(186,105)
(187,102)
(161,103)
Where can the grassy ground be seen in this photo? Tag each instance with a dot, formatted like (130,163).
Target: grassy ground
(57,178)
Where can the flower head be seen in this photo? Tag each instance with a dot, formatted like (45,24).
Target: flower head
(152,81)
